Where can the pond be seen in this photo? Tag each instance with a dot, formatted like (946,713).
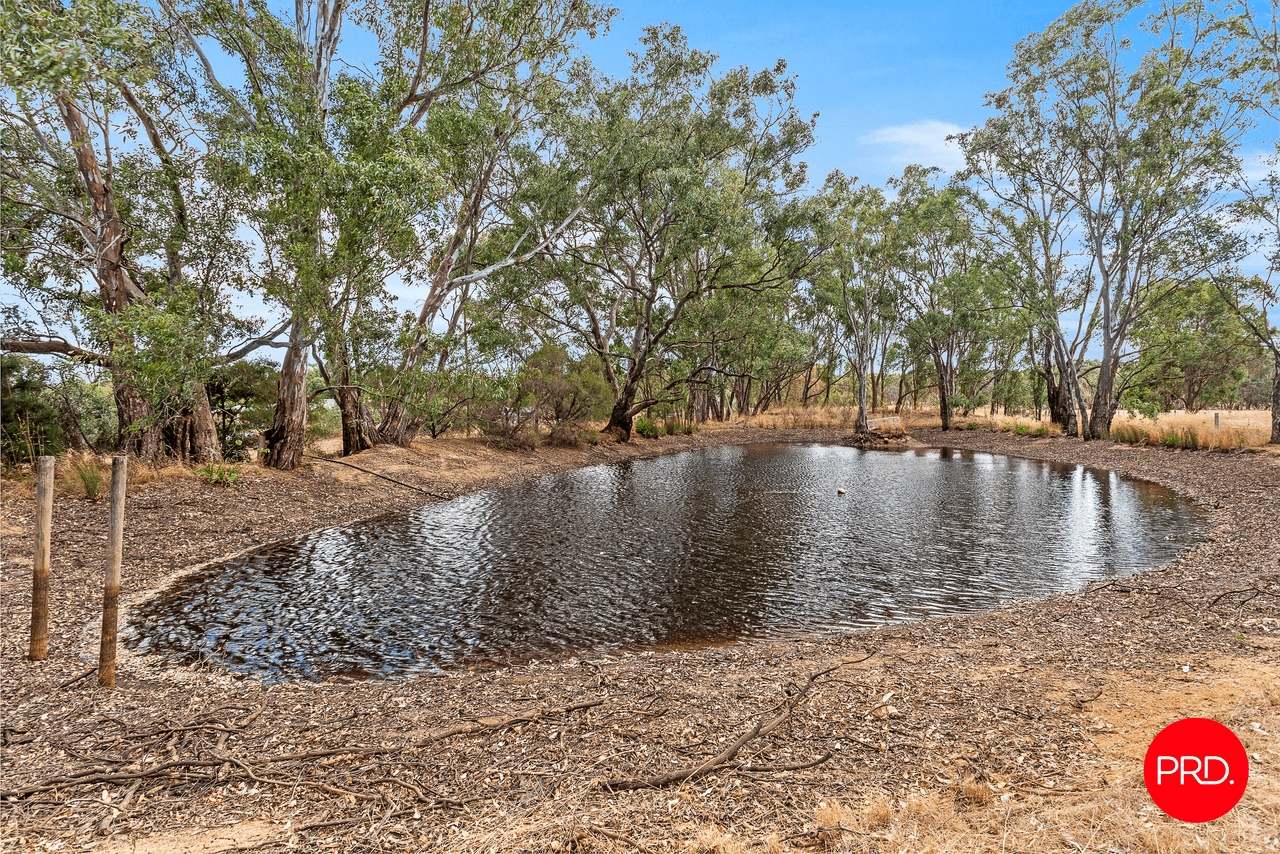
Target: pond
(693,548)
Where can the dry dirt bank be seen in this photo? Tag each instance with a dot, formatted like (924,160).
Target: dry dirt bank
(1020,729)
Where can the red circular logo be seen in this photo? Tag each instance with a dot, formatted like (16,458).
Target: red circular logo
(1196,770)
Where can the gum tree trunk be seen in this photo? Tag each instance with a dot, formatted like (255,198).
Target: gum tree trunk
(194,435)
(944,398)
(621,418)
(1275,403)
(288,432)
(357,433)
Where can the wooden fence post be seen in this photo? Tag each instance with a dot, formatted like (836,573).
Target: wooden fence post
(1216,424)
(111,591)
(39,648)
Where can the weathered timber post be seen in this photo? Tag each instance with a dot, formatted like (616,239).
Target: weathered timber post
(1216,423)
(111,591)
(39,648)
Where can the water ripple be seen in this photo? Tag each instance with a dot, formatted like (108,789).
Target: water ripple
(689,548)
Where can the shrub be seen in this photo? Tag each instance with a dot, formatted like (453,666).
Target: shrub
(242,396)
(690,429)
(565,434)
(521,441)
(218,474)
(672,427)
(1022,429)
(1040,432)
(87,475)
(29,425)
(646,428)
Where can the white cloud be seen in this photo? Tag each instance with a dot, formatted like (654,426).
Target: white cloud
(923,142)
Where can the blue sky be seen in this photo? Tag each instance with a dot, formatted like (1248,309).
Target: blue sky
(889,81)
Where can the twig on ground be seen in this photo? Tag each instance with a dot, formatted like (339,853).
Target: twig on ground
(731,752)
(375,474)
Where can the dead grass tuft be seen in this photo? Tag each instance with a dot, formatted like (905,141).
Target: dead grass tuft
(712,840)
(878,812)
(973,792)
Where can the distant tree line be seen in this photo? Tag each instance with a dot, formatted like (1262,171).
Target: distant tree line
(578,247)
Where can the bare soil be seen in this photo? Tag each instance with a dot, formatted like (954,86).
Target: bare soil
(1019,729)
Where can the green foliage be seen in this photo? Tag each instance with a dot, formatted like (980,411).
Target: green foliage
(86,410)
(88,475)
(1194,351)
(324,420)
(48,46)
(1022,429)
(218,474)
(647,428)
(29,424)
(1129,434)
(1185,437)
(241,396)
(566,390)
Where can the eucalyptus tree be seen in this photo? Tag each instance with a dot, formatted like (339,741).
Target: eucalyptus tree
(746,347)
(353,179)
(1032,229)
(860,276)
(1143,156)
(268,142)
(695,188)
(1192,348)
(486,81)
(1254,299)
(103,183)
(945,292)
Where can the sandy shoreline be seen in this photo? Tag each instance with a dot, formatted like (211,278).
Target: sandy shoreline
(994,724)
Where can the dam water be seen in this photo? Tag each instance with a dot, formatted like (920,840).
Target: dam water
(698,547)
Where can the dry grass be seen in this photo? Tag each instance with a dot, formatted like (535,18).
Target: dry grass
(845,416)
(973,816)
(1238,429)
(82,473)
(792,417)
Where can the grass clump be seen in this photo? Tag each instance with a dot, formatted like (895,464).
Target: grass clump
(1182,437)
(86,475)
(218,474)
(1130,434)
(647,428)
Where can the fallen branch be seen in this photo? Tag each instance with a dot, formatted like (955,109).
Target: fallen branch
(725,757)
(1256,591)
(795,766)
(104,826)
(74,679)
(1079,702)
(97,775)
(375,474)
